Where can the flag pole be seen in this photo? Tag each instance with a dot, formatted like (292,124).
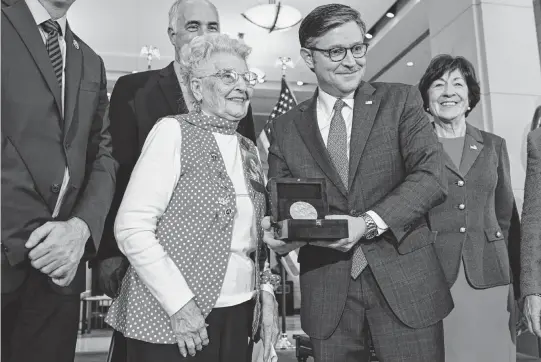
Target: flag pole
(283,342)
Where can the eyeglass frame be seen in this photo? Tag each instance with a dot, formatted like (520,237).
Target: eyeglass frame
(219,74)
(327,52)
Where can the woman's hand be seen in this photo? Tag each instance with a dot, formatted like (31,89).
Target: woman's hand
(190,329)
(269,327)
(278,246)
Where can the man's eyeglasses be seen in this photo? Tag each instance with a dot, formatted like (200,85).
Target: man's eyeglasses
(338,54)
(230,77)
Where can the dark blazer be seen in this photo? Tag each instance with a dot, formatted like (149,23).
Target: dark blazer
(473,223)
(37,141)
(531,219)
(137,102)
(396,170)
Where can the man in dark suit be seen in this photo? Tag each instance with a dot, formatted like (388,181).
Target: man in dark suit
(137,102)
(530,279)
(58,177)
(384,170)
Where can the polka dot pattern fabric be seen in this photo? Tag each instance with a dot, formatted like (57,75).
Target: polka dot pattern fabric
(195,231)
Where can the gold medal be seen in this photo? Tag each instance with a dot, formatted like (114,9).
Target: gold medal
(303,210)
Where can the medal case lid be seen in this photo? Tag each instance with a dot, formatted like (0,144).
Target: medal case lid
(286,191)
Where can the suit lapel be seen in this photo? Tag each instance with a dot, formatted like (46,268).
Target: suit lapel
(473,145)
(308,129)
(451,165)
(23,21)
(74,68)
(171,90)
(365,108)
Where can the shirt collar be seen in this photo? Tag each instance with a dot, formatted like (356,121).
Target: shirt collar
(41,15)
(327,101)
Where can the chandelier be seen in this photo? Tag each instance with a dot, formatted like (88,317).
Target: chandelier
(273,16)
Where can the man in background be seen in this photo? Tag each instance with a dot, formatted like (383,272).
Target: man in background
(58,177)
(530,278)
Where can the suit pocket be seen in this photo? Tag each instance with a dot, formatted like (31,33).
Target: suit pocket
(493,234)
(417,239)
(90,86)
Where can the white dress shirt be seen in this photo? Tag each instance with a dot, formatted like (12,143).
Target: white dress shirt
(41,15)
(147,196)
(325,112)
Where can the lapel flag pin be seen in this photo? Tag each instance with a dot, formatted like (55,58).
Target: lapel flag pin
(368,102)
(473,147)
(75,44)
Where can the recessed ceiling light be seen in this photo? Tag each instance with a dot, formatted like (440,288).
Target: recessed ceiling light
(368,36)
(409,64)
(300,82)
(390,15)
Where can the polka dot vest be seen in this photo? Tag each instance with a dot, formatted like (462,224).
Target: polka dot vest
(195,230)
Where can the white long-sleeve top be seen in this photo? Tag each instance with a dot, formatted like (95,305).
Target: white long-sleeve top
(147,196)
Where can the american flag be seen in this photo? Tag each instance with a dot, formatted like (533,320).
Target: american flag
(286,101)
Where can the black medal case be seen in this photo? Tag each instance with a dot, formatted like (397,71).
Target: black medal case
(285,192)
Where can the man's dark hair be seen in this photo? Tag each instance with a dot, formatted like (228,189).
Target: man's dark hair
(325,18)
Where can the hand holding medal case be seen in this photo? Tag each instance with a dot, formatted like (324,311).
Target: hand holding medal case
(299,207)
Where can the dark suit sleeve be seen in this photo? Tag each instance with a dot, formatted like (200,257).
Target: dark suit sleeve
(99,183)
(530,281)
(277,164)
(506,211)
(424,186)
(124,133)
(246,126)
(505,200)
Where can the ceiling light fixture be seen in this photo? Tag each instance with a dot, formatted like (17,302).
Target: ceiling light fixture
(273,16)
(391,12)
(300,82)
(409,64)
(368,36)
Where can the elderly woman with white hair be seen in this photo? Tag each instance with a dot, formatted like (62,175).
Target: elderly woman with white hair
(198,288)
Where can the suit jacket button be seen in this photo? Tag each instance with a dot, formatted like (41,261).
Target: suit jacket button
(55,188)
(214,156)
(462,230)
(407,227)
(353,212)
(460,183)
(228,211)
(461,206)
(498,234)
(5,248)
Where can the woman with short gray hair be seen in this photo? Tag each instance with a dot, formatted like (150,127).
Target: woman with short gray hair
(189,224)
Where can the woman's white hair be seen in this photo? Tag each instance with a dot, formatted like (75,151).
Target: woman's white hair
(194,55)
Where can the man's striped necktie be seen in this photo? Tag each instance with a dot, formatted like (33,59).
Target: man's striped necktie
(52,28)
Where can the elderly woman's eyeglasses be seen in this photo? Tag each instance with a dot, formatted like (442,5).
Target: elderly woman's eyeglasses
(339,53)
(230,77)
